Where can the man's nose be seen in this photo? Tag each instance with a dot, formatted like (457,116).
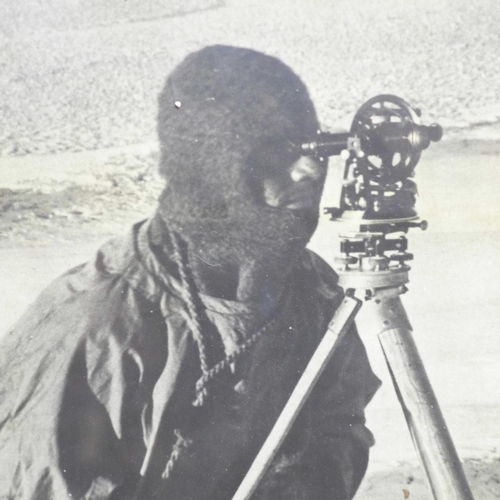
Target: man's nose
(307,168)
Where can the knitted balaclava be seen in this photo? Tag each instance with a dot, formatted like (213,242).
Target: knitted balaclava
(240,117)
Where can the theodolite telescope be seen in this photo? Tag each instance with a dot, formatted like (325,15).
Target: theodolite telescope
(381,152)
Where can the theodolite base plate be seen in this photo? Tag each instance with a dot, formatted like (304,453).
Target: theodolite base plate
(365,280)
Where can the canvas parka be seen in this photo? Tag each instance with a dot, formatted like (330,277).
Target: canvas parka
(106,353)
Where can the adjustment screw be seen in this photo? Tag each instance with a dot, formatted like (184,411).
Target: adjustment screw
(349,181)
(345,154)
(346,260)
(401,257)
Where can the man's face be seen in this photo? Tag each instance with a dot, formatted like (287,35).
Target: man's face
(282,178)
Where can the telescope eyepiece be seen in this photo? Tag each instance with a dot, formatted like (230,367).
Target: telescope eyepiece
(326,144)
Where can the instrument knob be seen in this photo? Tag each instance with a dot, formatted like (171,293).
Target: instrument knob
(345,260)
(435,132)
(401,257)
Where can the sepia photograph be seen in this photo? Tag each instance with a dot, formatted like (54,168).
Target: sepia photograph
(250,250)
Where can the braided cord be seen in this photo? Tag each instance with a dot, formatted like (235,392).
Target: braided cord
(189,294)
(204,381)
(181,445)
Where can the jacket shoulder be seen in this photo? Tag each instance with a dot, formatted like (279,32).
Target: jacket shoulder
(92,302)
(318,271)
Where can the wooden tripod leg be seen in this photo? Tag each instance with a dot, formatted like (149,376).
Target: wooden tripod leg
(425,421)
(340,324)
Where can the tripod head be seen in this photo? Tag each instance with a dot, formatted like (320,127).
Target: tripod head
(378,193)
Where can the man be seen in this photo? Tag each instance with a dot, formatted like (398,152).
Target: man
(158,369)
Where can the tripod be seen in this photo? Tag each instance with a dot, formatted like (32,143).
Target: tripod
(373,261)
